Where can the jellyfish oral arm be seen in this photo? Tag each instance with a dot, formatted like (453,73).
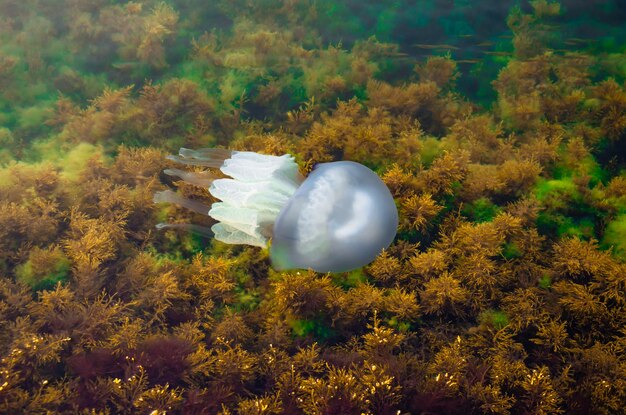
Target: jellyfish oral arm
(168,196)
(200,179)
(202,230)
(250,200)
(206,157)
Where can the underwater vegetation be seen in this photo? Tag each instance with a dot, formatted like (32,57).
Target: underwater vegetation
(503,292)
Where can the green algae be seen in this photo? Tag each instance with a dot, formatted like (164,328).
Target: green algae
(615,236)
(545,282)
(56,270)
(495,318)
(481,210)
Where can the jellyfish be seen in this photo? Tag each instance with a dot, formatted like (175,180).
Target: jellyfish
(338,218)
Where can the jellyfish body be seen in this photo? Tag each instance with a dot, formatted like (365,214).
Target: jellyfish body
(337,219)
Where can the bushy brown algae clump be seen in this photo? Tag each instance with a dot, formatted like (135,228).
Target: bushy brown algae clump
(504,292)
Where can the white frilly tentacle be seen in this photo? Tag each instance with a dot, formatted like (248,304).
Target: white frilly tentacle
(250,202)
(260,185)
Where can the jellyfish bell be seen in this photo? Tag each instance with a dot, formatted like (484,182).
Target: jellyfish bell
(338,218)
